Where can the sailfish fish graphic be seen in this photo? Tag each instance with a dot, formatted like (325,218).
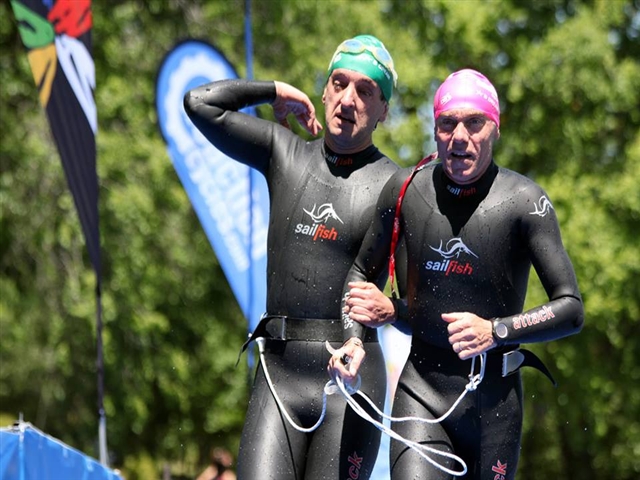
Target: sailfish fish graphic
(542,207)
(325,212)
(454,248)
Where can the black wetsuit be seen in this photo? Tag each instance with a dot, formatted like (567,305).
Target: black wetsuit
(321,206)
(469,249)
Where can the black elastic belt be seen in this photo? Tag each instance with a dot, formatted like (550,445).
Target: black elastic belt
(278,327)
(515,359)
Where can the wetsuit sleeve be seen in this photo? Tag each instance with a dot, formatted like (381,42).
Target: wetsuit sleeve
(563,315)
(371,263)
(213,109)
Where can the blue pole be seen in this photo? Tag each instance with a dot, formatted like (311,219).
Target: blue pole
(248,39)
(249,61)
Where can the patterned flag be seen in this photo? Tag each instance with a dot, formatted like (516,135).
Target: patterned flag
(57,34)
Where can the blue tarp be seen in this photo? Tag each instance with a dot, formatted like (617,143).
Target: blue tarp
(26,453)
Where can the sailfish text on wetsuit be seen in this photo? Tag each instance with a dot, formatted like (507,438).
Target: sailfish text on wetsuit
(453,248)
(318,230)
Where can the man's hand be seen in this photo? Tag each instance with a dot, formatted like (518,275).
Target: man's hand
(368,305)
(469,334)
(345,362)
(290,100)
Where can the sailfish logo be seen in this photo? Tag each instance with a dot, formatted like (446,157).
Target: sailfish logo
(325,212)
(542,207)
(454,247)
(318,230)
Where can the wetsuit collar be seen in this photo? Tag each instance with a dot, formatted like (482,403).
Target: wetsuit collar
(472,191)
(349,159)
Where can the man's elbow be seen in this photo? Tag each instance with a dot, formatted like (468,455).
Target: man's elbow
(190,102)
(578,321)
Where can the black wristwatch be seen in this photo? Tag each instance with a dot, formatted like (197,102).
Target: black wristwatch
(499,331)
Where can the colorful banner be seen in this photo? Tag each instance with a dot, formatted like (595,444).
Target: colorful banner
(57,34)
(230,199)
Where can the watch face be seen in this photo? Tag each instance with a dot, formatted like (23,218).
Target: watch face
(501,330)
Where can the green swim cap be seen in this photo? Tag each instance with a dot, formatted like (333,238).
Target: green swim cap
(367,55)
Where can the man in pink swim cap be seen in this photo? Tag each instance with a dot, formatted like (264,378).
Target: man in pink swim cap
(472,230)
(467,114)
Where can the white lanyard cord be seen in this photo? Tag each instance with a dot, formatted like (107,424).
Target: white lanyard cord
(420,449)
(332,387)
(260,341)
(474,381)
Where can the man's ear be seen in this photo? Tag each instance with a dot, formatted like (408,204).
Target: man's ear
(385,112)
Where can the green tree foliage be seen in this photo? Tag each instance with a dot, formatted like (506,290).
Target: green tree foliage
(568,73)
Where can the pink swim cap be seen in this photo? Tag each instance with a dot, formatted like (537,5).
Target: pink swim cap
(467,89)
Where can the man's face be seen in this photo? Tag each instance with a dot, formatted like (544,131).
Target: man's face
(353,107)
(465,140)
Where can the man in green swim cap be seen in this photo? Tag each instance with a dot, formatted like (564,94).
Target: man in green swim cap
(360,82)
(322,199)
